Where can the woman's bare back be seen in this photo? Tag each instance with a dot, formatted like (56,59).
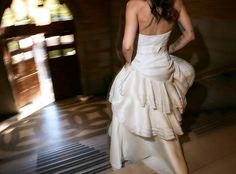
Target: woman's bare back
(148,24)
(139,18)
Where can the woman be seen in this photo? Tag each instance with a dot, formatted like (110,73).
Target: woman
(148,94)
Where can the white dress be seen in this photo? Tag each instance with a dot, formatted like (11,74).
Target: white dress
(147,100)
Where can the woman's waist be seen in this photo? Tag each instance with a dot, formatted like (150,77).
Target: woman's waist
(160,70)
(152,49)
(152,58)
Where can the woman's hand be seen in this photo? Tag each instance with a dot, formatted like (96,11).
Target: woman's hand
(185,26)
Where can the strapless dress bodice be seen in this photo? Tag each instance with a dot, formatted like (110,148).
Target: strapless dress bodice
(152,44)
(152,58)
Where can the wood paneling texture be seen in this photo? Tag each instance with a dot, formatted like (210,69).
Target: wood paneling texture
(94,44)
(214,9)
(25,82)
(117,12)
(7,101)
(214,25)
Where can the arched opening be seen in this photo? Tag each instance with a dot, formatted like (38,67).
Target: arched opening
(39,49)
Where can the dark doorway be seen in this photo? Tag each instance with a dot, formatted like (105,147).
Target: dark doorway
(63,63)
(62,58)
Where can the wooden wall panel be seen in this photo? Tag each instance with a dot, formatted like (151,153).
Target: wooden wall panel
(214,25)
(214,46)
(212,9)
(94,44)
(117,11)
(7,101)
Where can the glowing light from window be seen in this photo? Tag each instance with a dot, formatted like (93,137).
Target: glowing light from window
(17,58)
(28,55)
(23,12)
(67,39)
(52,41)
(25,43)
(19,8)
(42,16)
(38,38)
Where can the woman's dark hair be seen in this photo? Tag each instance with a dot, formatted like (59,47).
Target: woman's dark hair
(167,11)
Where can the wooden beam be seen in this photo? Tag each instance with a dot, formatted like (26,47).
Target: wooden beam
(32,29)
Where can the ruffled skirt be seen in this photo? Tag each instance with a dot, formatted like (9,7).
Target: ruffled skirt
(147,116)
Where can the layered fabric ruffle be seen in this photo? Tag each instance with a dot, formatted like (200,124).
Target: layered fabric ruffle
(164,157)
(149,107)
(148,98)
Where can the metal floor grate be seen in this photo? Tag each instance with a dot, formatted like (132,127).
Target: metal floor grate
(72,158)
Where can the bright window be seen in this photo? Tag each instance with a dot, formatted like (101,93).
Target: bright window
(23,12)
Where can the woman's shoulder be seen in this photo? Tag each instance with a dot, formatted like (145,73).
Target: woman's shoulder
(136,3)
(178,4)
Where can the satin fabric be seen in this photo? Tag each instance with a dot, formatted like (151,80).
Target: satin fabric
(148,98)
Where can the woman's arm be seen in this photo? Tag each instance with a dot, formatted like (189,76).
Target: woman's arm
(131,26)
(186,27)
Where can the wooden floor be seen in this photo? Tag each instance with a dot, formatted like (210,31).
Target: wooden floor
(70,136)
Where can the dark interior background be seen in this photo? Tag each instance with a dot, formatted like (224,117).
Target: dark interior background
(99,29)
